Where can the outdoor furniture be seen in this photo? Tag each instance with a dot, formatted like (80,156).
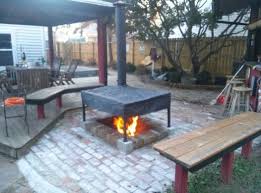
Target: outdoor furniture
(241,98)
(14,100)
(229,94)
(195,150)
(43,96)
(69,74)
(31,78)
(55,72)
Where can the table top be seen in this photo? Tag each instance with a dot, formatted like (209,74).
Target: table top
(196,149)
(27,68)
(126,94)
(242,89)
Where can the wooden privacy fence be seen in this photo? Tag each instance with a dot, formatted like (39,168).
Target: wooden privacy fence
(219,64)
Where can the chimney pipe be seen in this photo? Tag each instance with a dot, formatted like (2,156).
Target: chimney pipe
(121,42)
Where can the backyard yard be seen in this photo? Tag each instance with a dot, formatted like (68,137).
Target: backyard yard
(70,159)
(186,119)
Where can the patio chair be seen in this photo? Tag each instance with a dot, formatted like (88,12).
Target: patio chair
(69,74)
(54,75)
(13,98)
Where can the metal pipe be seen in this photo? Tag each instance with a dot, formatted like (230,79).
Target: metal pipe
(121,41)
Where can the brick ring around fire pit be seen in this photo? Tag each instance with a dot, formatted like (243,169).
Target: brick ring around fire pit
(126,101)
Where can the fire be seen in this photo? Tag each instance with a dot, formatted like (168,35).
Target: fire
(131,125)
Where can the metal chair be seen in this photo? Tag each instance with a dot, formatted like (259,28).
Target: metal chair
(13,98)
(69,74)
(55,72)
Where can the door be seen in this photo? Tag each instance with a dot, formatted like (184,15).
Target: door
(6,52)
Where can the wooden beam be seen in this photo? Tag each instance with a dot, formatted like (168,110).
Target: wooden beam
(231,22)
(51,46)
(227,167)
(102,52)
(181,180)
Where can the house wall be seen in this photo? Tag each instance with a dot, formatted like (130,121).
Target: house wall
(28,39)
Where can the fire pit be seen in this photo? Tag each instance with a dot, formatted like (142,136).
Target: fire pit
(141,131)
(123,102)
(126,102)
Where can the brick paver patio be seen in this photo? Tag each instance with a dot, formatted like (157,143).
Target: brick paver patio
(69,159)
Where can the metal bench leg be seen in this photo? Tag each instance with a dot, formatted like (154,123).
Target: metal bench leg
(40,111)
(181,180)
(59,102)
(247,150)
(227,167)
(169,117)
(83,112)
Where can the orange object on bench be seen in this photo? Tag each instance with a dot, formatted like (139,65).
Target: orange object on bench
(13,101)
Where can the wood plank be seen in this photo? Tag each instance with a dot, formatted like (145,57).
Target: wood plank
(207,138)
(18,136)
(191,149)
(164,145)
(193,158)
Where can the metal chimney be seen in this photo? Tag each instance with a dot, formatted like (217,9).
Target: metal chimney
(121,41)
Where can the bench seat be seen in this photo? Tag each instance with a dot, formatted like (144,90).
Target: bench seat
(46,95)
(196,149)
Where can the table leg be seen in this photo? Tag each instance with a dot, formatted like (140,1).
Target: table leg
(83,112)
(227,167)
(40,112)
(181,180)
(247,150)
(169,117)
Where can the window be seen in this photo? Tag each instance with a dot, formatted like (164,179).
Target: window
(6,53)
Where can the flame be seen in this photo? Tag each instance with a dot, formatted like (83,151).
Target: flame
(131,125)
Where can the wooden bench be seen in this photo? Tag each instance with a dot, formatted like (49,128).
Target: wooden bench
(43,96)
(196,149)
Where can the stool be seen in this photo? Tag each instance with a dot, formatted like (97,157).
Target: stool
(229,93)
(229,77)
(241,98)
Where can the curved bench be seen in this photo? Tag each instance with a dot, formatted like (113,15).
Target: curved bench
(43,96)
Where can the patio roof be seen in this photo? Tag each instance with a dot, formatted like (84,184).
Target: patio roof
(52,12)
(225,7)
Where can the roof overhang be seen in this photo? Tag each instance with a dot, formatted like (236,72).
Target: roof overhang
(226,7)
(52,12)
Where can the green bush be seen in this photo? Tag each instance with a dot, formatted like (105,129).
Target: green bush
(174,76)
(131,68)
(203,78)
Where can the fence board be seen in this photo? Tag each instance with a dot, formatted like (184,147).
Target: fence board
(219,64)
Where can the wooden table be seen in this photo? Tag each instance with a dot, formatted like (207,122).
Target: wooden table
(196,149)
(32,78)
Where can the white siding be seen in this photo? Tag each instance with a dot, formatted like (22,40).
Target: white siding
(30,39)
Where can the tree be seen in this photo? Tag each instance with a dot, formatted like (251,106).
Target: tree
(158,20)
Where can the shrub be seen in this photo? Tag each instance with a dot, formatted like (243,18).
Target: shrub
(174,76)
(203,78)
(131,68)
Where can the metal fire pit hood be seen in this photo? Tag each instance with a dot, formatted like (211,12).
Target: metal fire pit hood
(123,100)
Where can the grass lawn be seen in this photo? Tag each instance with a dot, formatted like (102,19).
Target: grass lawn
(246,177)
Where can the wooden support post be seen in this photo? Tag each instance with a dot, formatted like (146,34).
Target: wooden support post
(51,46)
(102,52)
(59,102)
(40,112)
(247,150)
(227,167)
(181,180)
